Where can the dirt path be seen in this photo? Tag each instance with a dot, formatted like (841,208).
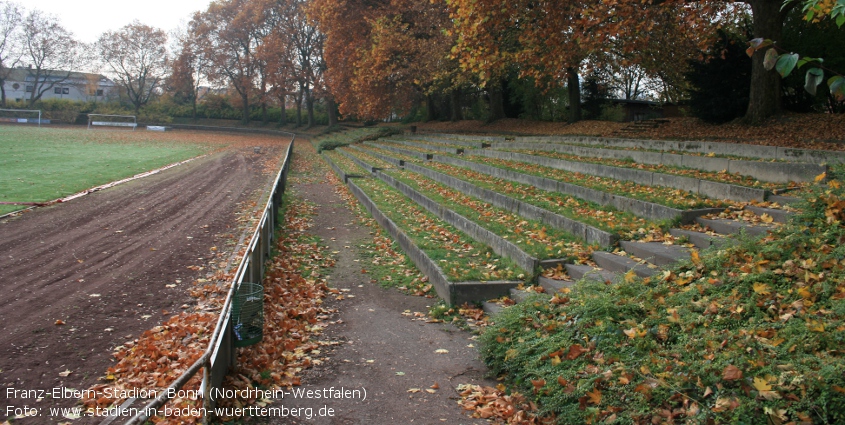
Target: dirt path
(83,277)
(385,350)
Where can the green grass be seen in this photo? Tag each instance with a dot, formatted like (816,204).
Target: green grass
(674,198)
(38,165)
(531,236)
(461,258)
(335,140)
(605,218)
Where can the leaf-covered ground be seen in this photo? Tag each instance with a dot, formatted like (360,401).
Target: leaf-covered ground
(808,131)
(751,333)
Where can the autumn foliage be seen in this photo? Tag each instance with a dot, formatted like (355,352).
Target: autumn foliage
(293,320)
(751,332)
(382,56)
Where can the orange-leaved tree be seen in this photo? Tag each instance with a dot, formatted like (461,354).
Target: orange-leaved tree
(383,56)
(553,42)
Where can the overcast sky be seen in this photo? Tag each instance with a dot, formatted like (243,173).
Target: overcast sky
(87,19)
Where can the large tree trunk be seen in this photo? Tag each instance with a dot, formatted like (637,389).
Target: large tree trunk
(331,110)
(455,103)
(309,104)
(765,96)
(573,85)
(3,93)
(497,102)
(430,108)
(245,110)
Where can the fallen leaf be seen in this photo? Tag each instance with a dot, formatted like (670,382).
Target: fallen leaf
(441,351)
(575,351)
(594,396)
(67,372)
(731,373)
(761,288)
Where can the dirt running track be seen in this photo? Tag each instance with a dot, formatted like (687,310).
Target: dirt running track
(101,264)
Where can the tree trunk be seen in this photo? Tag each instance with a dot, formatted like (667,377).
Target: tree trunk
(283,117)
(497,102)
(3,93)
(331,110)
(194,108)
(245,110)
(430,108)
(765,96)
(309,104)
(455,103)
(573,86)
(299,108)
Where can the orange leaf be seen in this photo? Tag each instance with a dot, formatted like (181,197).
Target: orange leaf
(594,396)
(575,351)
(696,259)
(731,373)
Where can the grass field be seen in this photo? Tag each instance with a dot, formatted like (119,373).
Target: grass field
(42,164)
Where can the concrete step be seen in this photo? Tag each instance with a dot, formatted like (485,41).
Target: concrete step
(779,216)
(656,252)
(520,295)
(617,263)
(728,227)
(492,309)
(783,199)
(553,285)
(578,272)
(700,240)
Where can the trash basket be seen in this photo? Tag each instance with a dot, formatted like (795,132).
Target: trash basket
(248,314)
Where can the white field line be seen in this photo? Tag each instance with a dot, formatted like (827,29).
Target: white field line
(101,187)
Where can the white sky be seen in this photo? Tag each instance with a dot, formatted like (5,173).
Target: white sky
(88,19)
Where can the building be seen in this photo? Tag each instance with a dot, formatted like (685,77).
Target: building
(76,86)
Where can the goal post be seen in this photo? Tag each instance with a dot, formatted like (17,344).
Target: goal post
(105,120)
(19,116)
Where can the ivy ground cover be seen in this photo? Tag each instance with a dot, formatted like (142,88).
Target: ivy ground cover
(751,333)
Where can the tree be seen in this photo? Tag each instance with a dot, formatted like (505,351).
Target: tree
(721,83)
(186,74)
(228,36)
(137,57)
(10,52)
(50,51)
(554,42)
(385,56)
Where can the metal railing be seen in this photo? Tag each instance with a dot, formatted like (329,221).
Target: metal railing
(220,355)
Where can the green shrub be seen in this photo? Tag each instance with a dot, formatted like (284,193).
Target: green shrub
(614,113)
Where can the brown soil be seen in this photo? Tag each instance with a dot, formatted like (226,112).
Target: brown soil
(809,131)
(385,348)
(83,277)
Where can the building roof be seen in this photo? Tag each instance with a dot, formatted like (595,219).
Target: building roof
(28,75)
